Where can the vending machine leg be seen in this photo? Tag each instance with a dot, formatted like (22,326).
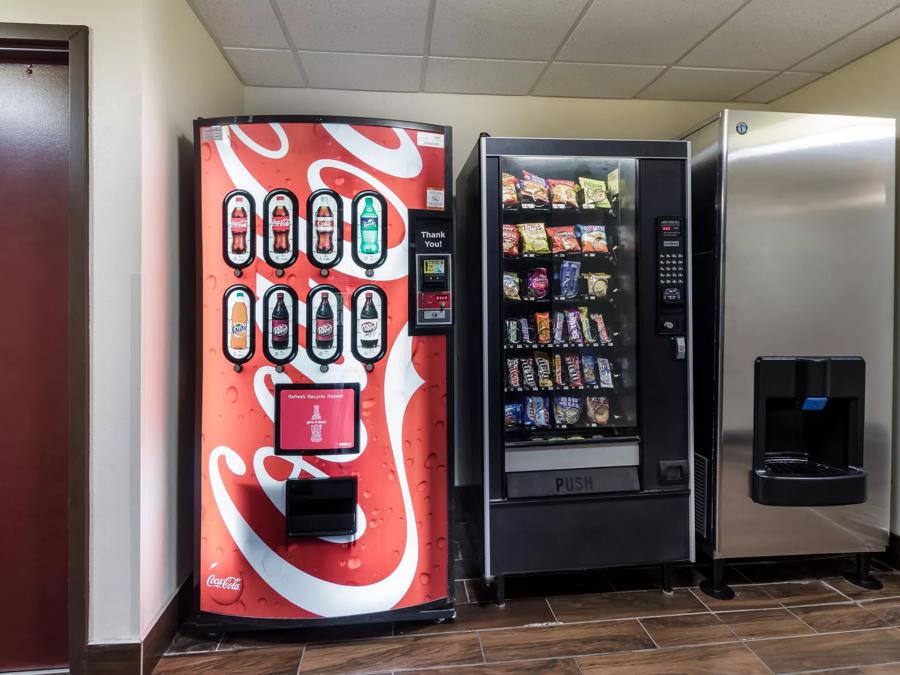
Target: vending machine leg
(500,590)
(717,588)
(668,572)
(861,576)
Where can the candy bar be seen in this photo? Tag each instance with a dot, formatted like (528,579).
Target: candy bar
(573,370)
(600,326)
(513,374)
(604,371)
(559,326)
(542,360)
(525,330)
(542,319)
(512,415)
(537,411)
(529,373)
(573,326)
(513,336)
(589,337)
(589,368)
(559,371)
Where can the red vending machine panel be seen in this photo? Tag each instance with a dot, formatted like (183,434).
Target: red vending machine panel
(323,470)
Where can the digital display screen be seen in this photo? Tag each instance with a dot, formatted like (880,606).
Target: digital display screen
(433,266)
(316,419)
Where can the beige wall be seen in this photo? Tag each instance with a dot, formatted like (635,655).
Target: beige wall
(497,115)
(868,86)
(152,70)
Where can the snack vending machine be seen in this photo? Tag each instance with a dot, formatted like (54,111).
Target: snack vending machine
(326,293)
(576,402)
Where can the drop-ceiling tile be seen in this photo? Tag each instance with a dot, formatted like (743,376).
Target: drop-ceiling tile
(502,29)
(778,86)
(704,84)
(592,80)
(241,23)
(866,39)
(266,67)
(776,34)
(481,76)
(374,26)
(370,72)
(644,31)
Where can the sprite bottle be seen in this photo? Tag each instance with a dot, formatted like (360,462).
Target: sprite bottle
(368,229)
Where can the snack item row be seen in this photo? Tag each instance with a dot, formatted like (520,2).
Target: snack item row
(567,411)
(537,238)
(575,325)
(572,370)
(534,284)
(532,191)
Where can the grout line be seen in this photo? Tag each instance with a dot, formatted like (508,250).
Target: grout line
(641,624)
(552,613)
(300,664)
(559,48)
(287,36)
(481,647)
(427,51)
(700,600)
(758,658)
(691,48)
(788,609)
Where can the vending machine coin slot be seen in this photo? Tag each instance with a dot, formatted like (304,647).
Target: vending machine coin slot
(431,269)
(671,275)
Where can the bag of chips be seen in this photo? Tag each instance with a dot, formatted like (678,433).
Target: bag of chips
(508,185)
(538,284)
(563,239)
(533,191)
(542,361)
(567,410)
(598,410)
(534,238)
(568,278)
(511,286)
(562,194)
(513,415)
(594,194)
(597,283)
(537,411)
(593,238)
(510,240)
(542,319)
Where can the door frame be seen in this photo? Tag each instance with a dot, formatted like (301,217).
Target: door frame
(17,40)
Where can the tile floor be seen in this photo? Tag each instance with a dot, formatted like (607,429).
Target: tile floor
(789,616)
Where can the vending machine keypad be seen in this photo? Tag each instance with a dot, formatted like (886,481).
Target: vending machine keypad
(671,275)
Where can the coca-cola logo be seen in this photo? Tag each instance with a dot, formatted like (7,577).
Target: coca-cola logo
(281,222)
(239,222)
(224,583)
(324,329)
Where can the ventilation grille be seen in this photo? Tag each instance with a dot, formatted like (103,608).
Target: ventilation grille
(701,522)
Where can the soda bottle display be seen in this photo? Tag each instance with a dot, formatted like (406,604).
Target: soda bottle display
(324,225)
(239,336)
(281,225)
(369,325)
(279,326)
(239,222)
(324,323)
(369,229)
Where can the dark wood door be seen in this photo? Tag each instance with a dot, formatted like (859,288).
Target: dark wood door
(33,414)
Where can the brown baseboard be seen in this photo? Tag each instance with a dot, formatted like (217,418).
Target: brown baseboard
(140,658)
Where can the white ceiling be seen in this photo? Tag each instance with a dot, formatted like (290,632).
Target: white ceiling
(709,50)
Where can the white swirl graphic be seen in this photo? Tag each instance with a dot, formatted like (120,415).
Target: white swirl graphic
(402,162)
(278,153)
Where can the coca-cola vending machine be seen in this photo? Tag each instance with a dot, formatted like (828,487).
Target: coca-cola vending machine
(325,287)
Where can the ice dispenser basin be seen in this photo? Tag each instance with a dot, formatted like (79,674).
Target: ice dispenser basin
(808,431)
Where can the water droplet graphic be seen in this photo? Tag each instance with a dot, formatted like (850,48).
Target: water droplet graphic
(422,487)
(424,578)
(391,475)
(409,461)
(373,522)
(354,563)
(441,542)
(367,494)
(231,394)
(430,461)
(211,282)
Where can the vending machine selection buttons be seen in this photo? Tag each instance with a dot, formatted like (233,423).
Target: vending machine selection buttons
(238,230)
(369,327)
(280,325)
(238,336)
(324,325)
(369,230)
(280,229)
(325,229)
